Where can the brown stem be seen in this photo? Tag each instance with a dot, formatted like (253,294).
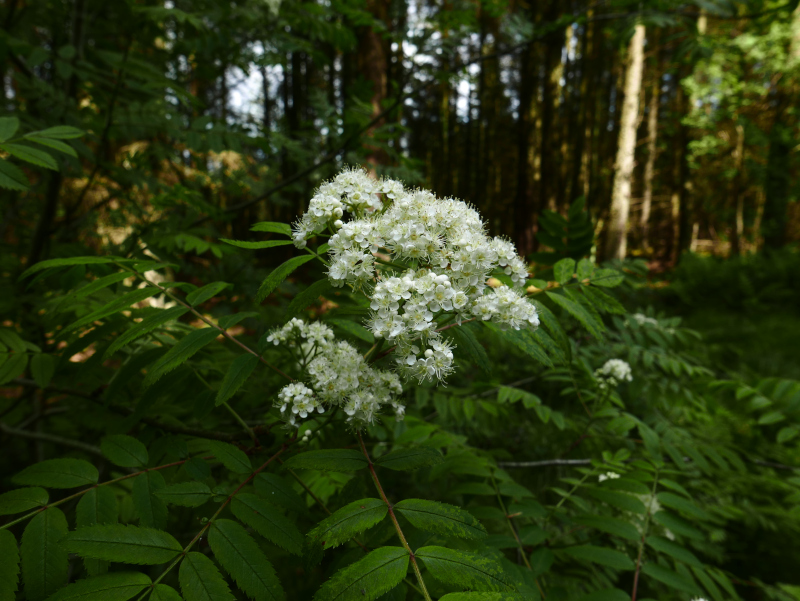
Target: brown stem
(392,515)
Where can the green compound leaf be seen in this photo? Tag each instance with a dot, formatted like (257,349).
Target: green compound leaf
(8,127)
(125,544)
(483,597)
(307,297)
(466,340)
(162,592)
(563,270)
(352,328)
(229,321)
(255,245)
(579,312)
(31,155)
(368,578)
(276,490)
(12,367)
(608,594)
(185,494)
(603,301)
(119,586)
(613,526)
(230,456)
(332,460)
(675,551)
(273,227)
(268,521)
(410,459)
(242,558)
(465,569)
(45,562)
(608,278)
(118,304)
(344,524)
(279,274)
(42,369)
(9,567)
(12,177)
(93,287)
(59,132)
(98,506)
(585,269)
(606,557)
(201,581)
(124,450)
(180,353)
(71,261)
(677,525)
(22,499)
(152,511)
(147,325)
(54,144)
(441,518)
(237,375)
(58,473)
(201,295)
(620,500)
(524,340)
(673,501)
(670,578)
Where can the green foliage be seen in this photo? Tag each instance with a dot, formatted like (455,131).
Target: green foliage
(45,561)
(124,451)
(268,521)
(464,570)
(368,578)
(440,518)
(58,473)
(336,460)
(200,579)
(410,459)
(125,544)
(22,499)
(118,586)
(348,521)
(9,568)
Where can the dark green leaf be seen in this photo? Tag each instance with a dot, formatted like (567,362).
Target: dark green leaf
(603,301)
(368,578)
(613,526)
(180,353)
(208,291)
(31,155)
(186,494)
(608,594)
(272,226)
(147,325)
(466,341)
(124,450)
(580,313)
(8,127)
(441,518)
(564,270)
(59,132)
(242,558)
(677,525)
(12,367)
(410,459)
(673,501)
(354,329)
(231,320)
(42,369)
(125,544)
(45,562)
(98,506)
(12,177)
(22,499)
(525,342)
(585,269)
(237,375)
(9,566)
(70,262)
(332,460)
(255,245)
(54,144)
(58,473)
(201,581)
(608,278)
(279,274)
(670,578)
(465,570)
(231,457)
(620,500)
(119,586)
(307,297)
(606,557)
(344,524)
(152,511)
(275,489)
(162,592)
(118,304)
(268,521)
(674,550)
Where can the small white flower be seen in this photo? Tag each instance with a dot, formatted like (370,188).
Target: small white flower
(607,476)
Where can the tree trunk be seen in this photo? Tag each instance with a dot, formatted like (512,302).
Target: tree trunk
(373,66)
(621,194)
(524,210)
(737,196)
(652,149)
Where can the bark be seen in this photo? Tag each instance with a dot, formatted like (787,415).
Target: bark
(552,74)
(652,150)
(621,194)
(525,213)
(373,66)
(737,194)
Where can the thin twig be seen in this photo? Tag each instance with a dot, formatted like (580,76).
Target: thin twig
(59,440)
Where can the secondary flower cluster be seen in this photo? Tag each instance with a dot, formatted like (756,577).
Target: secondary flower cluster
(613,372)
(421,260)
(338,376)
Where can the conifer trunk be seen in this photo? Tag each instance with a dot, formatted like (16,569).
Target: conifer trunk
(621,194)
(652,150)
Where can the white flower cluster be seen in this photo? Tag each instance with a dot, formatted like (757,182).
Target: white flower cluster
(417,257)
(613,372)
(642,320)
(607,476)
(338,376)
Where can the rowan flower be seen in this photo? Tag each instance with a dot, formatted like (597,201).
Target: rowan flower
(613,372)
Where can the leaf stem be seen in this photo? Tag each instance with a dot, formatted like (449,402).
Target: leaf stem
(644,534)
(399,530)
(243,424)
